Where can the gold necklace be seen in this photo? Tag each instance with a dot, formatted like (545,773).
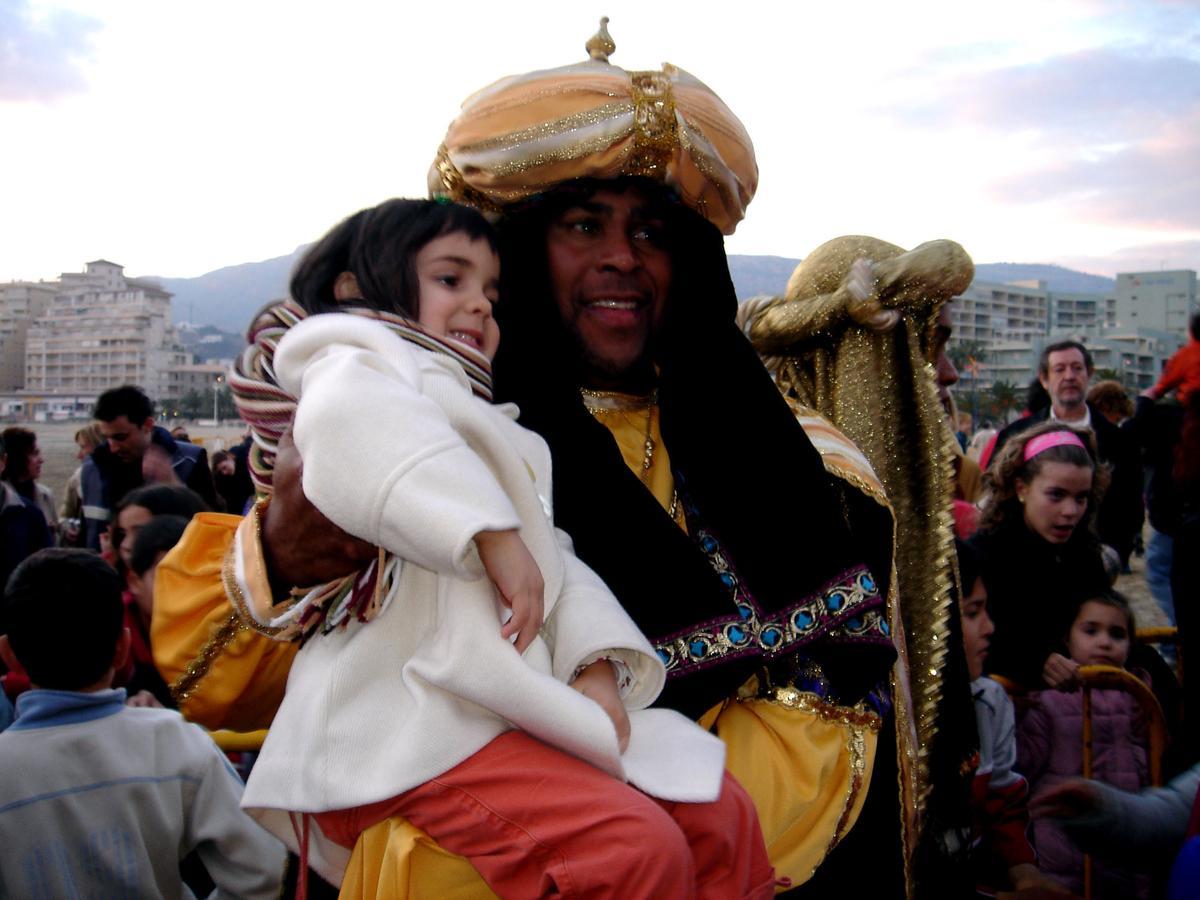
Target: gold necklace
(601,402)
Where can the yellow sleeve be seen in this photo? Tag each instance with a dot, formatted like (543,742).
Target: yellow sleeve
(222,674)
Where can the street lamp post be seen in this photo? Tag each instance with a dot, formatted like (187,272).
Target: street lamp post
(216,393)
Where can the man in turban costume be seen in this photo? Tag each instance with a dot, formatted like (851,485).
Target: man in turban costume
(675,459)
(859,338)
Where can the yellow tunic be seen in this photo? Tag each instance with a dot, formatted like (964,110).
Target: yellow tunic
(804,762)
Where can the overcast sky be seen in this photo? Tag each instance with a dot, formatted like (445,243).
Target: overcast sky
(178,138)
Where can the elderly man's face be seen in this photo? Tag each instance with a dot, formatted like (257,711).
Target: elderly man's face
(611,275)
(1066,380)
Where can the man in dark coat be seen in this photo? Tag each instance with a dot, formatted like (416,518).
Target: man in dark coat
(135,452)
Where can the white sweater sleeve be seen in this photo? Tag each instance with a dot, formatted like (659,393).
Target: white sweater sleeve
(242,859)
(381,459)
(588,620)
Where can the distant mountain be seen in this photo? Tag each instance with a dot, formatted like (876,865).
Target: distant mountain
(754,275)
(228,297)
(1056,277)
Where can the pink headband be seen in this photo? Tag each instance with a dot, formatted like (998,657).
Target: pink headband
(1043,442)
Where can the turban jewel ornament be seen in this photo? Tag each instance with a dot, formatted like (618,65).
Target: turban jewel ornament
(527,134)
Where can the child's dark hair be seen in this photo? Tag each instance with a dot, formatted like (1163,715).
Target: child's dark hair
(969,568)
(1112,598)
(1012,466)
(165,500)
(378,246)
(157,536)
(63,616)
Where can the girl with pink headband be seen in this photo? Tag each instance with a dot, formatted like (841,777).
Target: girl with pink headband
(1039,555)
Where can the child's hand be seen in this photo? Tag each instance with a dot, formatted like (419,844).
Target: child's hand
(1060,673)
(598,682)
(1026,877)
(1072,799)
(517,577)
(144,700)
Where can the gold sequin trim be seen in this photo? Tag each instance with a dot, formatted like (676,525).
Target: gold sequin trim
(514,139)
(186,684)
(456,188)
(656,134)
(237,599)
(856,748)
(806,701)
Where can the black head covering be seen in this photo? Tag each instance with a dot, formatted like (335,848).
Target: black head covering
(768,566)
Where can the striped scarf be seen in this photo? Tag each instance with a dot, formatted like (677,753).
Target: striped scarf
(268,409)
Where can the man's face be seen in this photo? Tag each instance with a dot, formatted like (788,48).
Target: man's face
(1066,379)
(944,370)
(610,272)
(126,440)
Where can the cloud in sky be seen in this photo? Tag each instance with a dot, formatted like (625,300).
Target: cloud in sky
(1151,182)
(1140,258)
(1112,133)
(42,55)
(1098,94)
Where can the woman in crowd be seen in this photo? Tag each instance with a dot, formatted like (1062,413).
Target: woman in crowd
(87,439)
(23,470)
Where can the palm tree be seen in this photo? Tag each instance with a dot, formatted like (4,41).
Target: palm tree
(1005,396)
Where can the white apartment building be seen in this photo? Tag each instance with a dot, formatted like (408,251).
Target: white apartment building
(20,303)
(1160,300)
(101,330)
(989,312)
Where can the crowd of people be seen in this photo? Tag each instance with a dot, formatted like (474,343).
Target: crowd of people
(541,585)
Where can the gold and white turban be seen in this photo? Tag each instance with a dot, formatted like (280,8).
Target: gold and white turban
(526,134)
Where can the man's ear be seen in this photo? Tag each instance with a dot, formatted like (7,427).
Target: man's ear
(121,651)
(10,658)
(148,425)
(345,287)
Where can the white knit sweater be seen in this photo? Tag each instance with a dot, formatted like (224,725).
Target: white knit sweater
(398,451)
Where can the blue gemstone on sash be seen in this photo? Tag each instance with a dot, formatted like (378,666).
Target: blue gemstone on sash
(770,636)
(728,580)
(698,647)
(745,611)
(802,620)
(707,544)
(836,601)
(736,634)
(867,583)
(664,656)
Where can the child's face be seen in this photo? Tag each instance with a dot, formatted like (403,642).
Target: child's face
(1056,500)
(977,628)
(142,588)
(129,522)
(1099,636)
(459,281)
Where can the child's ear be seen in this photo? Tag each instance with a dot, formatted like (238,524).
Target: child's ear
(1022,489)
(345,287)
(10,658)
(121,651)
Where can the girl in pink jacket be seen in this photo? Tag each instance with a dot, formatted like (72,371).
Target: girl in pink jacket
(1050,743)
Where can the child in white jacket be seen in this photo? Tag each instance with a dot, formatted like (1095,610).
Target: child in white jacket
(429,686)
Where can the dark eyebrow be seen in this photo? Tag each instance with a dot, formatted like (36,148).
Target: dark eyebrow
(604,209)
(589,206)
(461,260)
